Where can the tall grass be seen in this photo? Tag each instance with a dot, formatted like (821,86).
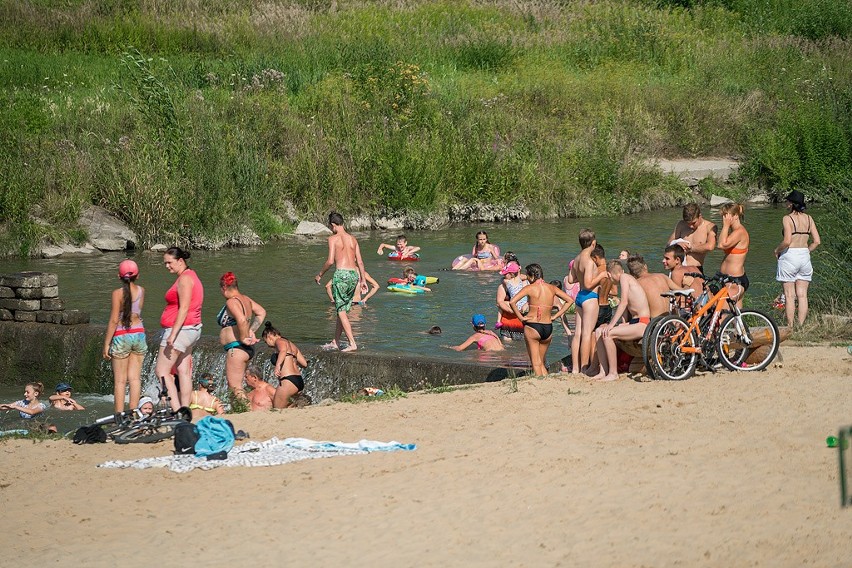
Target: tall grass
(192,120)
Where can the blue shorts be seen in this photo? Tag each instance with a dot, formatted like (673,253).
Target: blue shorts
(584,295)
(123,345)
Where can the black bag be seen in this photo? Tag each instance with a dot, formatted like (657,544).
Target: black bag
(185,437)
(92,434)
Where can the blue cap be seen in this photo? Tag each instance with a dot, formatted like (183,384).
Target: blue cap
(478,320)
(62,387)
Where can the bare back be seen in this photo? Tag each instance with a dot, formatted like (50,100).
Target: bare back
(343,251)
(654,285)
(637,300)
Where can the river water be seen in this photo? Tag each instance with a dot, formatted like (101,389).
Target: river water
(280,277)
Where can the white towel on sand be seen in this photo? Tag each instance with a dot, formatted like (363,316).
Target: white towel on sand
(261,454)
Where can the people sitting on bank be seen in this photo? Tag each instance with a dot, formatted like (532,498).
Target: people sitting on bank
(62,400)
(653,283)
(485,339)
(203,402)
(30,406)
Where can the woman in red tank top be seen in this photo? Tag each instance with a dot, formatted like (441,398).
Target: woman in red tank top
(181,322)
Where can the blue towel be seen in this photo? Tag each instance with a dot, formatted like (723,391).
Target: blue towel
(214,435)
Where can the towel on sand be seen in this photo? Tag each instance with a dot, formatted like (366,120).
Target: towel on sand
(261,454)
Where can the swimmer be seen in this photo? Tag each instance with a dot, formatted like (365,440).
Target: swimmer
(585,271)
(434,330)
(624,255)
(288,363)
(633,303)
(400,250)
(485,339)
(203,402)
(414,280)
(30,405)
(62,399)
(262,393)
(483,256)
(696,235)
(538,321)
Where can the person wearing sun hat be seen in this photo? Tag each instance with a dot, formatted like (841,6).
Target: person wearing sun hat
(799,238)
(513,282)
(125,343)
(62,399)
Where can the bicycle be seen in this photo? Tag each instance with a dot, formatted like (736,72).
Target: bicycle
(133,427)
(716,332)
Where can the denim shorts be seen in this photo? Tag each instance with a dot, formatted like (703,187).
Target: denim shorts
(123,345)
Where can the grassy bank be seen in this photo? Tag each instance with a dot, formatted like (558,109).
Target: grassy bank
(191,119)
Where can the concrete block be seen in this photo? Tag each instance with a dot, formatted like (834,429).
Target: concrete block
(37,293)
(20,305)
(49,279)
(53,304)
(6,315)
(74,317)
(25,316)
(49,317)
(21,280)
(6,292)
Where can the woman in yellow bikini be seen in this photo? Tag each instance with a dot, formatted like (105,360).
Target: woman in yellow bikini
(734,240)
(202,402)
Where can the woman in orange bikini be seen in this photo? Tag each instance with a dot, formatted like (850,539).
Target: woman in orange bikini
(538,321)
(734,241)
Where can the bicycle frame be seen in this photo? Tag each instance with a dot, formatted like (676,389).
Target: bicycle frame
(718,302)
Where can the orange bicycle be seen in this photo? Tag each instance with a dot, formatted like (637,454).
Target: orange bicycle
(716,332)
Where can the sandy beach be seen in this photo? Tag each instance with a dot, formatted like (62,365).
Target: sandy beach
(720,470)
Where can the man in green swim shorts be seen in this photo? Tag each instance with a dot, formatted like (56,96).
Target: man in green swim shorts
(345,254)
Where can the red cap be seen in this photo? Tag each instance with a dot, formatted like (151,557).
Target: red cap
(127,269)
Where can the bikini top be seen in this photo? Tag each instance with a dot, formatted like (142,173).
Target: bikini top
(134,309)
(795,230)
(224,318)
(194,404)
(486,337)
(734,250)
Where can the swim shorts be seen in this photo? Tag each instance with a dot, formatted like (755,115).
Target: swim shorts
(186,339)
(604,315)
(795,264)
(584,296)
(124,344)
(343,285)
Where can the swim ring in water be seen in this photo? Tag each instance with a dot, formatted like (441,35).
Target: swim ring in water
(395,256)
(405,289)
(424,280)
(491,264)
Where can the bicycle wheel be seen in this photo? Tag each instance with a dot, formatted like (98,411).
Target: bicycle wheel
(668,360)
(647,346)
(147,433)
(747,342)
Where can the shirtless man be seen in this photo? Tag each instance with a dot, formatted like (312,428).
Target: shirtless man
(695,235)
(345,254)
(634,303)
(262,393)
(673,262)
(585,271)
(607,287)
(653,283)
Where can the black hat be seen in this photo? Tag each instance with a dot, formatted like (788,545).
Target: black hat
(797,198)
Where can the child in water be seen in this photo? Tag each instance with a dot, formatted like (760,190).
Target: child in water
(400,250)
(62,399)
(358,298)
(414,280)
(288,363)
(485,339)
(30,405)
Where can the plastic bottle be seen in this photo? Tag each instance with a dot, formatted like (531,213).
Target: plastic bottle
(831,441)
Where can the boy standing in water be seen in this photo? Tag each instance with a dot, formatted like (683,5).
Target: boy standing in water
(345,254)
(585,271)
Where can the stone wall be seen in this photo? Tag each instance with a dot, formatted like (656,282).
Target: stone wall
(34,297)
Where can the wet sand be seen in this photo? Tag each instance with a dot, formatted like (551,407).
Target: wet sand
(720,470)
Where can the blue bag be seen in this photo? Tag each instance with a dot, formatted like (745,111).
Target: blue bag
(215,435)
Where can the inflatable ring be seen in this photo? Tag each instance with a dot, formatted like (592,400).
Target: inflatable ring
(405,289)
(429,280)
(395,256)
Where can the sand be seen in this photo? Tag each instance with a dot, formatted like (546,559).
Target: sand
(720,470)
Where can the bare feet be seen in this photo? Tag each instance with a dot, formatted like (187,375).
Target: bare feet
(607,378)
(330,346)
(348,348)
(599,377)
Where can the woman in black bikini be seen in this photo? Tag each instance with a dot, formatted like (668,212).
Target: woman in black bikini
(538,321)
(288,362)
(239,319)
(799,238)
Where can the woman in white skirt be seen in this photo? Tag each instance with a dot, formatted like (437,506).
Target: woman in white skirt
(800,237)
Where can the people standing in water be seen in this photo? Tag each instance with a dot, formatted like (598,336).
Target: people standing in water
(345,255)
(585,271)
(288,363)
(483,256)
(181,322)
(734,241)
(485,339)
(125,344)
(538,320)
(633,303)
(239,319)
(30,405)
(510,327)
(799,238)
(696,235)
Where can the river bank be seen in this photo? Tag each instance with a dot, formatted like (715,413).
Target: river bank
(722,470)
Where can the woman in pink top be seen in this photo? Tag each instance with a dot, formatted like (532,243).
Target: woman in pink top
(181,322)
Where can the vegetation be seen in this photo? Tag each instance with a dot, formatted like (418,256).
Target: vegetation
(193,120)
